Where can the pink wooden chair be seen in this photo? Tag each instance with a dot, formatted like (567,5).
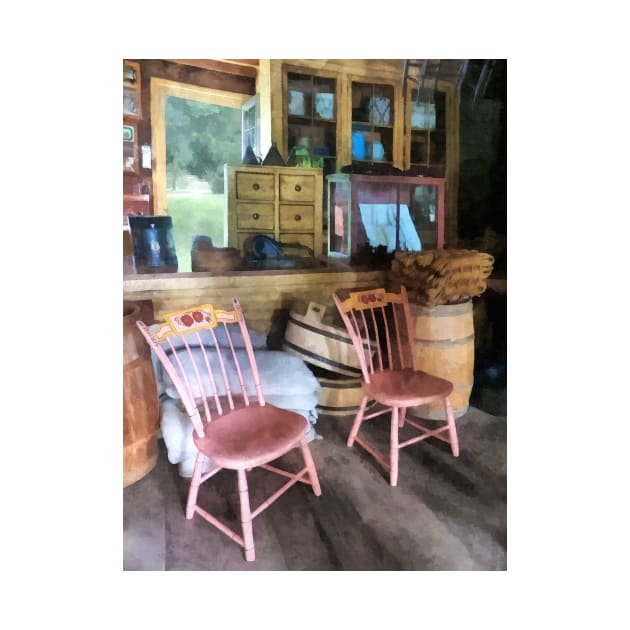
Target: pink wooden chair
(208,355)
(380,326)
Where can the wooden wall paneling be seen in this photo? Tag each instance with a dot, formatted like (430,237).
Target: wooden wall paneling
(163,69)
(241,67)
(266,297)
(374,69)
(277,117)
(344,122)
(452,166)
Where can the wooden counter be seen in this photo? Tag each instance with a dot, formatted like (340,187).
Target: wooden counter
(266,296)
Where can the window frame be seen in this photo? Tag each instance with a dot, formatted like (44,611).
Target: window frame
(160,89)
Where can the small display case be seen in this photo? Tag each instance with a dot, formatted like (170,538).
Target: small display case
(366,212)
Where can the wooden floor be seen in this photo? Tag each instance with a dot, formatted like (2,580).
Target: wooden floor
(445,514)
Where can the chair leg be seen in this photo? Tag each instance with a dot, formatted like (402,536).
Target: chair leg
(195,482)
(452,430)
(401,417)
(246,517)
(393,448)
(310,464)
(357,422)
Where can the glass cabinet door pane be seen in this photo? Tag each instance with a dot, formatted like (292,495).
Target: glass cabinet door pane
(438,148)
(339,216)
(419,148)
(130,101)
(424,214)
(312,118)
(250,125)
(440,110)
(372,122)
(324,101)
(427,120)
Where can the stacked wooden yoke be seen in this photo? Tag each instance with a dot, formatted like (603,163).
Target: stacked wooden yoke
(442,276)
(316,335)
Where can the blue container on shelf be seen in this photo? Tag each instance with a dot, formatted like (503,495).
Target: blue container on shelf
(153,244)
(358,146)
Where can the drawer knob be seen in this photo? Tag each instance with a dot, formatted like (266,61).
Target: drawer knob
(256,186)
(298,217)
(298,188)
(255,216)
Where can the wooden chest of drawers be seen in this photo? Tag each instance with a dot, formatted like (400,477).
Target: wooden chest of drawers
(281,201)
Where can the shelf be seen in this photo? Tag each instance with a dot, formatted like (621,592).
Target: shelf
(132,107)
(299,120)
(371,126)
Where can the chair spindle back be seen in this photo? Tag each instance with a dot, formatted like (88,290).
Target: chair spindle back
(208,356)
(379,324)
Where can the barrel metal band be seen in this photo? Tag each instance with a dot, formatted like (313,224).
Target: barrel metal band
(319,331)
(321,359)
(447,342)
(354,384)
(352,409)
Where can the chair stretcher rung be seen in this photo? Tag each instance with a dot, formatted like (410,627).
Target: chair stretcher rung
(418,438)
(265,504)
(376,414)
(285,473)
(220,526)
(426,433)
(372,451)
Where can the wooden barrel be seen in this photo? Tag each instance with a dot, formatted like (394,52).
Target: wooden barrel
(326,346)
(340,396)
(140,400)
(444,345)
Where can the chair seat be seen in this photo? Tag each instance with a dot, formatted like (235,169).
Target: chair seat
(406,388)
(250,436)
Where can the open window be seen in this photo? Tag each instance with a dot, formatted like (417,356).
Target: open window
(195,132)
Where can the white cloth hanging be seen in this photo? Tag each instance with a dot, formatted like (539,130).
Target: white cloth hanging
(379,221)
